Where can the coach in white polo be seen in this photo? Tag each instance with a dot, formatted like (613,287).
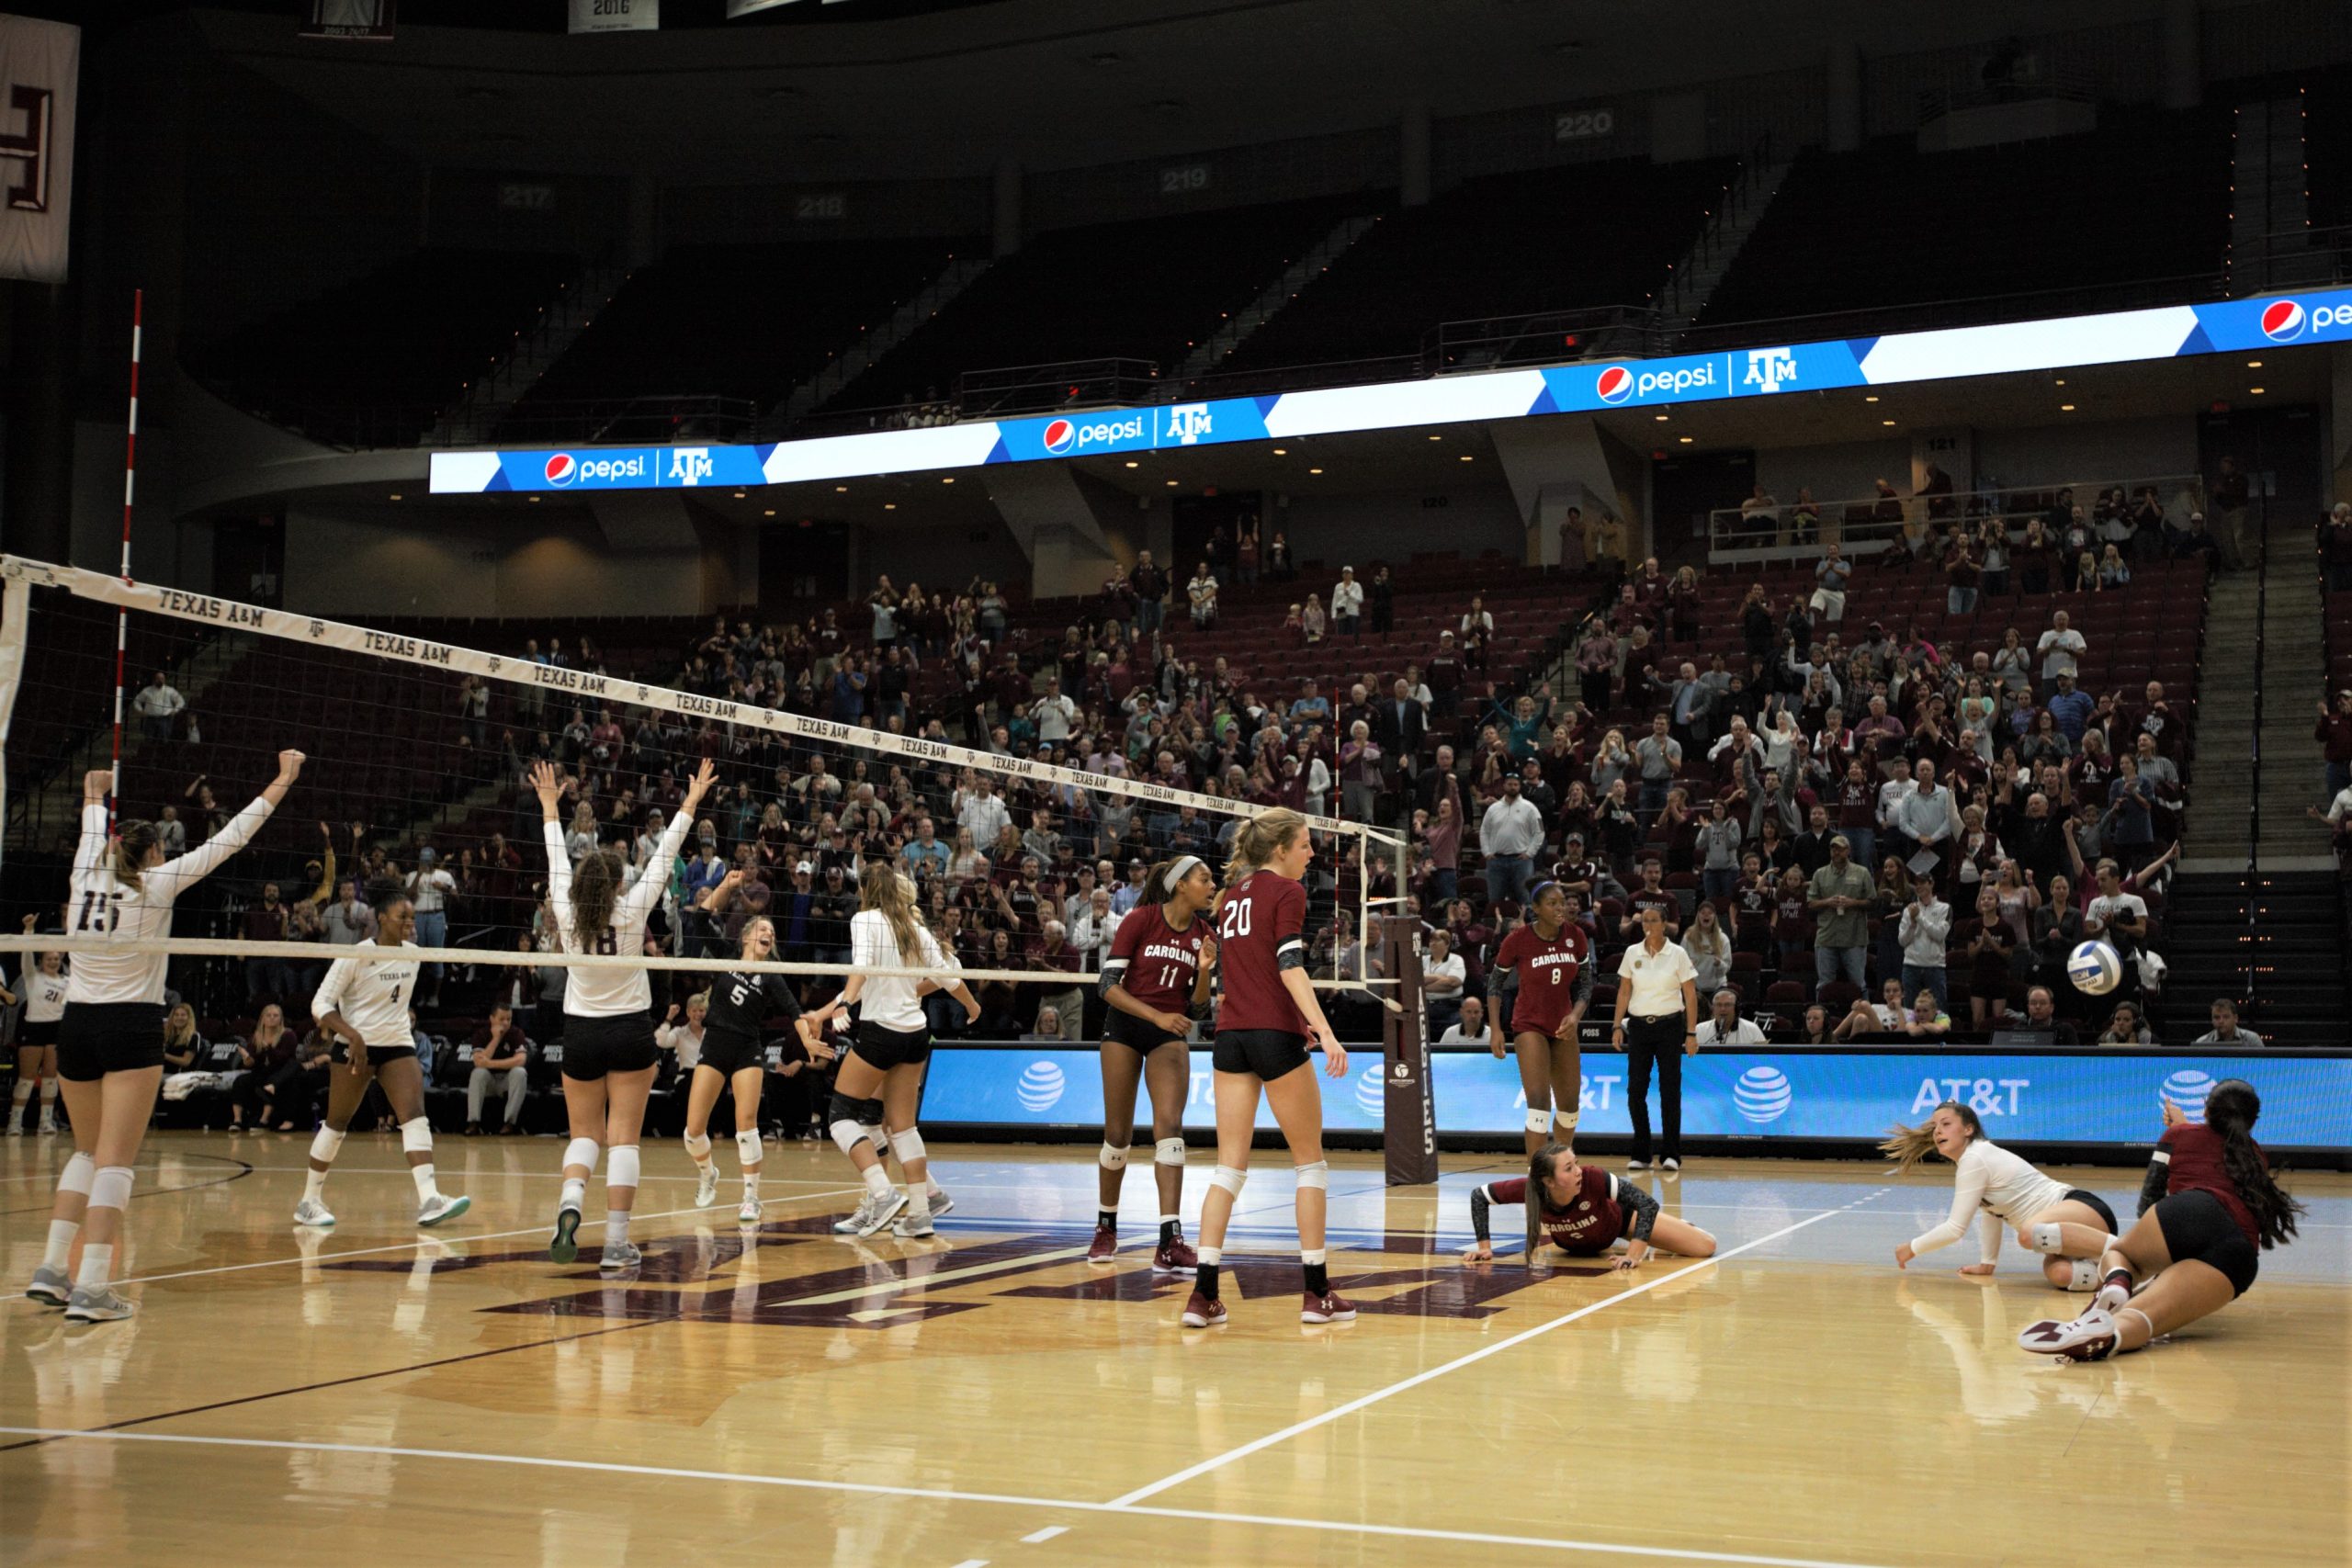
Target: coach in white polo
(1657,1021)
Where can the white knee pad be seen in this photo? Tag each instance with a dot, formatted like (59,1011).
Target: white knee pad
(325,1143)
(1232,1180)
(581,1151)
(75,1177)
(1110,1158)
(1317,1175)
(2086,1275)
(698,1146)
(1539,1121)
(906,1145)
(110,1188)
(2043,1237)
(621,1170)
(747,1147)
(847,1134)
(1167,1151)
(416,1136)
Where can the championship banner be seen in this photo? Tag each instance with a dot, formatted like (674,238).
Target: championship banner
(40,63)
(369,20)
(615,16)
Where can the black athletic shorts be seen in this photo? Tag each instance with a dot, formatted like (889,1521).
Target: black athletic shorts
(2097,1205)
(97,1038)
(1134,1033)
(2197,1226)
(620,1044)
(377,1054)
(34,1033)
(1269,1052)
(888,1048)
(728,1055)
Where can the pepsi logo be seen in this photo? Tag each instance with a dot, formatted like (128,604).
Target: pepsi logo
(562,468)
(2283,320)
(1060,437)
(1615,385)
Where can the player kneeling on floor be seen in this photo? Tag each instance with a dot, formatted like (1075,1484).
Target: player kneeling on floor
(1584,1211)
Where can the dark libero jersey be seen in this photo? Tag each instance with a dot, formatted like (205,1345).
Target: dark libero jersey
(739,1001)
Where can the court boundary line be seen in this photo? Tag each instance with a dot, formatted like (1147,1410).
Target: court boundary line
(1430,1374)
(932,1493)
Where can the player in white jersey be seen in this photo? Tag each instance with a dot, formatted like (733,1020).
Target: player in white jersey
(41,989)
(110,1041)
(609,1054)
(881,1074)
(364,1004)
(2068,1224)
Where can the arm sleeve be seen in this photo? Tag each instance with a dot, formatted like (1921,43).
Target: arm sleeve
(90,851)
(2159,1178)
(1582,990)
(332,988)
(1967,1197)
(638,901)
(1478,1206)
(1124,938)
(201,860)
(1641,1209)
(1989,1227)
(559,880)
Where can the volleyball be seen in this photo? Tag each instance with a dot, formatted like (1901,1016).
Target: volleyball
(2095,968)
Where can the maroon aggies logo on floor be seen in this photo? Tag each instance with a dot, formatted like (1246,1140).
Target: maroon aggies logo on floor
(879,1292)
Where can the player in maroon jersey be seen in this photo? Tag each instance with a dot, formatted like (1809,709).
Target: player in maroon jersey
(1158,972)
(1584,1211)
(2208,1209)
(1266,1026)
(1545,968)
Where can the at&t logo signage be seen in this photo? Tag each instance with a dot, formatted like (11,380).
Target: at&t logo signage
(1762,1095)
(1040,1086)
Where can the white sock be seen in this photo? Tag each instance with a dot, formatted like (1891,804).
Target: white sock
(931,1185)
(1314,1255)
(917,1201)
(615,1228)
(878,1181)
(576,1194)
(23,1097)
(48,1098)
(423,1176)
(314,1185)
(1212,1256)
(97,1265)
(751,1184)
(1171,1219)
(60,1243)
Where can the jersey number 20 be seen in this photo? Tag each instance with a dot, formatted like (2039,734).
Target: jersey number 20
(1236,922)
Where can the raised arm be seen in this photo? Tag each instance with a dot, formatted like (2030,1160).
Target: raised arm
(543,784)
(206,857)
(90,850)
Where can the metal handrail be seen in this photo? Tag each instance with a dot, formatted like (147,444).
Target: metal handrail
(1852,524)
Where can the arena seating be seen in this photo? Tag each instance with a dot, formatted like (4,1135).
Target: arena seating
(1146,289)
(1891,225)
(1543,240)
(372,363)
(745,321)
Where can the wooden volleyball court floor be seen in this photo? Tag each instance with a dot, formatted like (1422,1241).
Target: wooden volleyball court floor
(786,1396)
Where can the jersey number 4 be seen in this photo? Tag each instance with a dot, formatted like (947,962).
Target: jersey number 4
(1236,922)
(97,912)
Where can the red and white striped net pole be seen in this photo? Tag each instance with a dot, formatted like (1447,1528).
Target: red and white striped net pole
(130,488)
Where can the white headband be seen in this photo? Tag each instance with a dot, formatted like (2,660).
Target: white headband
(1181,870)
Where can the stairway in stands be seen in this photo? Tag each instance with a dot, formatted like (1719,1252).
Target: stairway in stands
(2296,961)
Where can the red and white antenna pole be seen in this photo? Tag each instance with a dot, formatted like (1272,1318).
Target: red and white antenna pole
(130,490)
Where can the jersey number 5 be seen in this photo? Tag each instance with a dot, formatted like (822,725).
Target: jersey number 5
(1236,922)
(97,912)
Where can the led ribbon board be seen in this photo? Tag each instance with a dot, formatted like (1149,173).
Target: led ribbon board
(2171,333)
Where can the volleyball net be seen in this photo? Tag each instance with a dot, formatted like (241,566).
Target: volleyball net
(417,755)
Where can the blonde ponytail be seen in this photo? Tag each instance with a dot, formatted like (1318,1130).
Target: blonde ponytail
(882,889)
(1260,839)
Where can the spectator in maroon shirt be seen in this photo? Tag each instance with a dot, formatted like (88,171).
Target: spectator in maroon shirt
(266,921)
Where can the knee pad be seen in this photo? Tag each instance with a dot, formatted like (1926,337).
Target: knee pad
(2085,1276)
(1317,1175)
(325,1143)
(747,1147)
(847,1134)
(2043,1237)
(110,1188)
(416,1136)
(622,1170)
(75,1177)
(1232,1180)
(907,1143)
(581,1151)
(1538,1121)
(1110,1158)
(1167,1151)
(698,1146)
(841,1108)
